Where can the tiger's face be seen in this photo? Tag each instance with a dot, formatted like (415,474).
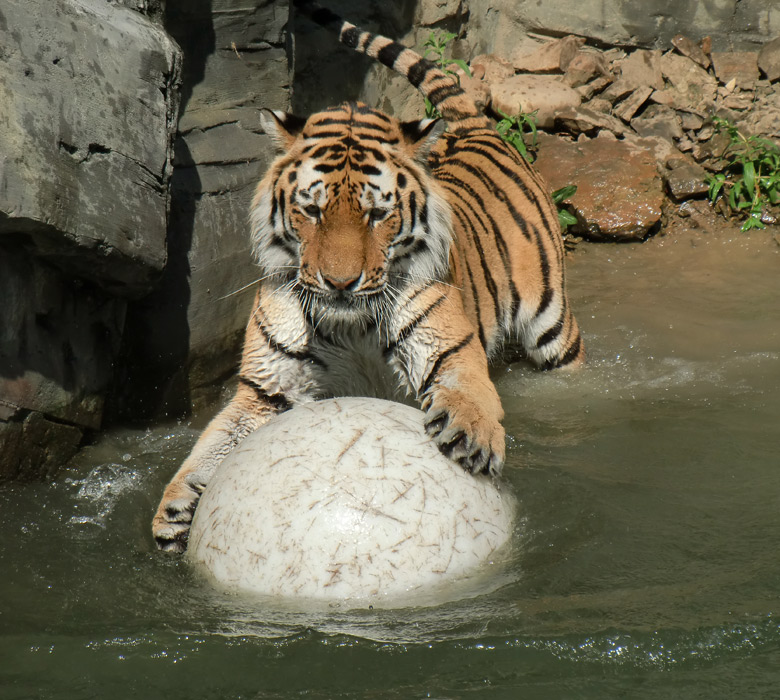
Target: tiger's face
(348,214)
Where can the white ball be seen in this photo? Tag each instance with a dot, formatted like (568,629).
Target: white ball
(346,500)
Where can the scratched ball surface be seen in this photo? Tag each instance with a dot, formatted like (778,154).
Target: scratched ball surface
(346,500)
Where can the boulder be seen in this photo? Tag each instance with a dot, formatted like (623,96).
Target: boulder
(187,333)
(490,68)
(88,105)
(553,57)
(685,178)
(691,87)
(769,59)
(542,94)
(584,67)
(739,66)
(347,501)
(692,50)
(619,192)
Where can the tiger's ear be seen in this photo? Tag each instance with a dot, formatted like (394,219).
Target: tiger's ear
(282,127)
(422,136)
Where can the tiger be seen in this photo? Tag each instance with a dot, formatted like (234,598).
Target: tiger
(396,259)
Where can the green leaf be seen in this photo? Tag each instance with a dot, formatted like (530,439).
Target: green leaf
(566,218)
(564,193)
(749,174)
(462,65)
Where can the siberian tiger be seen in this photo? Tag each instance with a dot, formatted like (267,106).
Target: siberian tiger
(391,246)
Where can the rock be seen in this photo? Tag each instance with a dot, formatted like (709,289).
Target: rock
(188,332)
(59,342)
(692,50)
(347,500)
(88,105)
(553,57)
(741,66)
(584,120)
(619,192)
(763,118)
(692,88)
(477,89)
(685,178)
(35,447)
(769,59)
(533,93)
(628,107)
(650,24)
(491,69)
(641,69)
(658,120)
(584,67)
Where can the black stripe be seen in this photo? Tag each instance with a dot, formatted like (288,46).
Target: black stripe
(431,377)
(490,282)
(349,37)
(418,71)
(569,356)
(552,333)
(278,402)
(439,94)
(390,53)
(410,327)
(365,169)
(300,355)
(501,245)
(326,168)
(480,325)
(492,186)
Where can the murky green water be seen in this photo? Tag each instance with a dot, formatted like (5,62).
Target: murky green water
(646,556)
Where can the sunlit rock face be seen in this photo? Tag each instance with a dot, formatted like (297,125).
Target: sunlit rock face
(347,500)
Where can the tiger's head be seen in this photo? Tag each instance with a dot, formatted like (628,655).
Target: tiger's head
(348,213)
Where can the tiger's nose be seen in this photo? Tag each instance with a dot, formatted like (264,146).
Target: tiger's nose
(343,284)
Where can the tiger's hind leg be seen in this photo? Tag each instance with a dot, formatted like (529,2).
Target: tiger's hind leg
(552,339)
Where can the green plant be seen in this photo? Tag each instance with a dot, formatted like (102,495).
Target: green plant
(514,129)
(565,217)
(435,47)
(750,181)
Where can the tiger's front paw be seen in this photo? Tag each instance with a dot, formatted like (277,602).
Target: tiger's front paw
(171,523)
(465,432)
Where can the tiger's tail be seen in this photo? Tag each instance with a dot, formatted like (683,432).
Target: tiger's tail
(442,90)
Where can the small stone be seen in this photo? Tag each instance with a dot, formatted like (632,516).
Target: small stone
(533,93)
(584,120)
(642,69)
(692,88)
(629,107)
(741,66)
(739,102)
(692,50)
(690,121)
(685,178)
(769,59)
(475,88)
(584,67)
(658,120)
(491,68)
(550,58)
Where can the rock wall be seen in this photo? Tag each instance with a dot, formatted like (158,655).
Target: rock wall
(187,332)
(88,105)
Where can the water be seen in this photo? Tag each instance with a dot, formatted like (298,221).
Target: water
(644,563)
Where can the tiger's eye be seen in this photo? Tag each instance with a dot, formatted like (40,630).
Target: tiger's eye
(312,210)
